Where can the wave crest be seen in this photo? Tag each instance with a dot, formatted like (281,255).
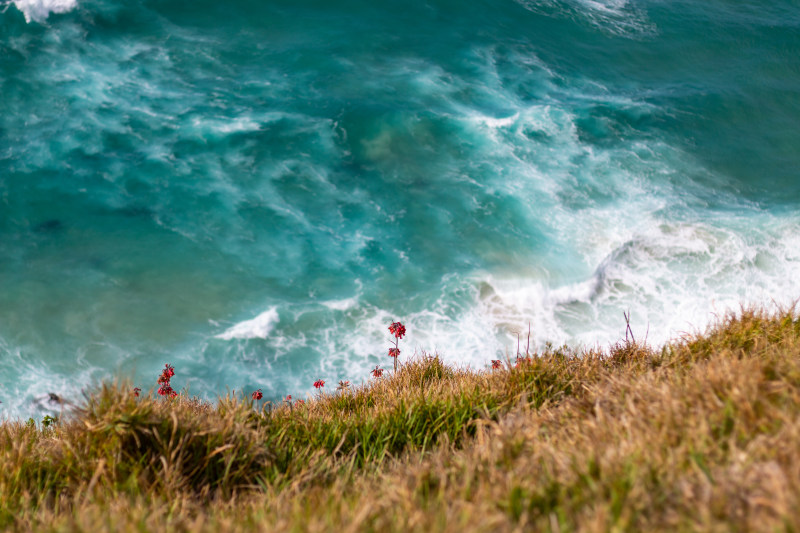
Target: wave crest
(256,328)
(39,10)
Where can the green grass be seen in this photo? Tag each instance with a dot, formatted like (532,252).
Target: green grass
(702,434)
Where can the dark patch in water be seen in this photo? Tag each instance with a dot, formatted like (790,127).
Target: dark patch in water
(49,226)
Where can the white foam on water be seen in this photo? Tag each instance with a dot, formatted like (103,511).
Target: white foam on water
(256,328)
(220,126)
(39,10)
(341,305)
(491,122)
(615,7)
(28,395)
(674,278)
(618,17)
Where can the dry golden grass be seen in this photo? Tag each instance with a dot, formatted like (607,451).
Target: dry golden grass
(702,435)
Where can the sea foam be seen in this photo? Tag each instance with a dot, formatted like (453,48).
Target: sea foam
(39,10)
(256,328)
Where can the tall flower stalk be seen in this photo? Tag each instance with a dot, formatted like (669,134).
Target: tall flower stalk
(398,330)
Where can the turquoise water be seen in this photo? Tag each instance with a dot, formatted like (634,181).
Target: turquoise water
(252,191)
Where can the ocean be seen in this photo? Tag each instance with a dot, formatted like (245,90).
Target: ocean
(252,191)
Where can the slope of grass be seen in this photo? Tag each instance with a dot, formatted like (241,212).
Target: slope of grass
(703,434)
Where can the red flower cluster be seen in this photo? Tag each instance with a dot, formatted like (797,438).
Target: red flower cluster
(319,384)
(288,399)
(496,363)
(257,395)
(377,372)
(136,391)
(394,352)
(397,329)
(164,388)
(343,385)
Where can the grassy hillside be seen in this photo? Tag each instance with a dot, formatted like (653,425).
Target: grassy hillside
(702,434)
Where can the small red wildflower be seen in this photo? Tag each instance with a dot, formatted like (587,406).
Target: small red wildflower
(496,363)
(288,399)
(164,388)
(166,374)
(257,395)
(319,384)
(136,391)
(343,385)
(394,352)
(377,371)
(397,329)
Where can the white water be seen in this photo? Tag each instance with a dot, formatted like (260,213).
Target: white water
(39,10)
(256,328)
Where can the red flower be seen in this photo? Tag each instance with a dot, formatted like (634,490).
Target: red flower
(343,385)
(319,384)
(377,372)
(288,399)
(166,374)
(394,352)
(136,391)
(397,329)
(164,388)
(257,395)
(496,363)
